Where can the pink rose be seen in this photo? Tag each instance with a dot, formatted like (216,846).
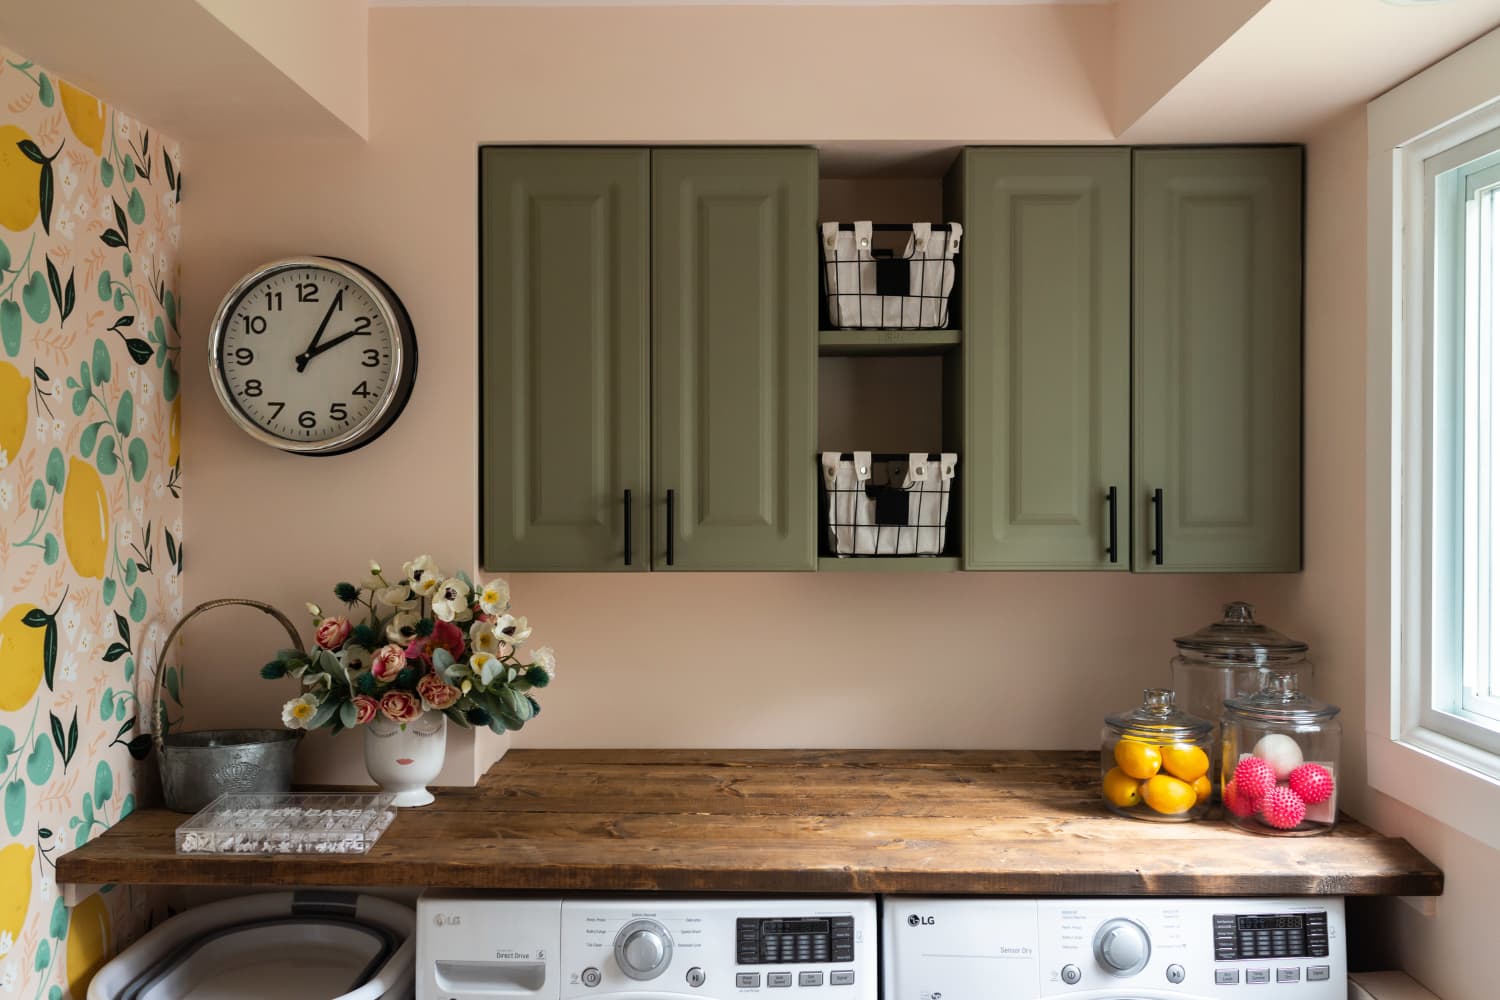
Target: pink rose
(444,635)
(332,632)
(400,706)
(437,694)
(388,662)
(364,709)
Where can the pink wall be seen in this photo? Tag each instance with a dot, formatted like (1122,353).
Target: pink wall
(759,659)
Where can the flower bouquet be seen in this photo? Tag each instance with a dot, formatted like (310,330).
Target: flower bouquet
(408,654)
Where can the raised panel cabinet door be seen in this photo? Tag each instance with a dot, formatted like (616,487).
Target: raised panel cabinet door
(565,358)
(1046,357)
(734,352)
(1218,359)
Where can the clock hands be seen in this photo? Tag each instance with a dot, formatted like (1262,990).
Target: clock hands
(311,350)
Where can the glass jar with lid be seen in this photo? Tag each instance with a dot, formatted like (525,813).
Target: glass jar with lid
(1155,760)
(1229,659)
(1281,760)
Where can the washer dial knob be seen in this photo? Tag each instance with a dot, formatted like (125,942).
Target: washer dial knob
(643,949)
(1122,946)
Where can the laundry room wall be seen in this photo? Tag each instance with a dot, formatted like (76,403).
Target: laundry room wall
(91,525)
(764,659)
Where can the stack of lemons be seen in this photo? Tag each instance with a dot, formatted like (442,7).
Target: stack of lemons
(1166,779)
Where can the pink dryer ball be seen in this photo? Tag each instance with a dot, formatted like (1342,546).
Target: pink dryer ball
(1312,783)
(1282,808)
(1254,777)
(1238,803)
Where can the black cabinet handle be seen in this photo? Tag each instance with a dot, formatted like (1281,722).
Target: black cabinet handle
(1156,506)
(1114,525)
(628,528)
(671,525)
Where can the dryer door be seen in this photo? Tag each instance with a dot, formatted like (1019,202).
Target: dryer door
(951,949)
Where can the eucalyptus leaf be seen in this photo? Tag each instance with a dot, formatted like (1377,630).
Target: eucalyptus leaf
(139,459)
(101,362)
(107,460)
(348,714)
(15,807)
(89,439)
(40,761)
(104,782)
(125,413)
(50,550)
(56,469)
(10,327)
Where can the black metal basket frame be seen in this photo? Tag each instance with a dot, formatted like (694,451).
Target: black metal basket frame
(891,501)
(892,278)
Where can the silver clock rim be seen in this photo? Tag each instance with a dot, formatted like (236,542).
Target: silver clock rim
(396,321)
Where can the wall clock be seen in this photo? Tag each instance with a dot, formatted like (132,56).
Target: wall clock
(312,355)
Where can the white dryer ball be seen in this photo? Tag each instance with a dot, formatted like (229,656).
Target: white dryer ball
(1281,752)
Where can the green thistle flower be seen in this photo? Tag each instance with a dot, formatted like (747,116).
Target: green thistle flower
(424,627)
(346,592)
(273,670)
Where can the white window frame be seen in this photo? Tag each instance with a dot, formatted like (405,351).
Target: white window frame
(1416,755)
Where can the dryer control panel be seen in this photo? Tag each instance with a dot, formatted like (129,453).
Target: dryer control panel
(1192,949)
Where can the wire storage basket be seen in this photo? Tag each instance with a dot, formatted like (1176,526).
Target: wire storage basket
(908,287)
(886,504)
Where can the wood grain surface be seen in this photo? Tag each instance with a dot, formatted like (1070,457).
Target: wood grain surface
(773,821)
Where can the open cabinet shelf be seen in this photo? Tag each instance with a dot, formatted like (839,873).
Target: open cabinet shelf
(889,564)
(856,343)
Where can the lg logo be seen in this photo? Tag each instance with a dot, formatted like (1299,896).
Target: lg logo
(440,920)
(919,921)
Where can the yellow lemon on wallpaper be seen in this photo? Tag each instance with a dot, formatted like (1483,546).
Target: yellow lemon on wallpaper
(88,942)
(85,519)
(85,113)
(15,888)
(20,193)
(15,390)
(20,670)
(174,432)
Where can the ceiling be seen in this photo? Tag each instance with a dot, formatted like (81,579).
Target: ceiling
(737,3)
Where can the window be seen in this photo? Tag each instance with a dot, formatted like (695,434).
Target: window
(1432,568)
(1460,692)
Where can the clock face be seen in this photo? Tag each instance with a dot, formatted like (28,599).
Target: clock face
(312,355)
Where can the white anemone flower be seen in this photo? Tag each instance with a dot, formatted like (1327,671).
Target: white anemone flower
(546,659)
(512,629)
(298,712)
(398,596)
(484,640)
(450,602)
(485,667)
(494,597)
(422,574)
(402,629)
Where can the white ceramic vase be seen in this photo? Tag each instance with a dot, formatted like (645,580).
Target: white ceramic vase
(404,759)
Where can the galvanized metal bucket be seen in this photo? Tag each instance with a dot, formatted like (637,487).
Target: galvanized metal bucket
(199,766)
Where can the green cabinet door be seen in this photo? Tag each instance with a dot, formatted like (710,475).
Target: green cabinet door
(1218,359)
(565,349)
(734,342)
(1046,358)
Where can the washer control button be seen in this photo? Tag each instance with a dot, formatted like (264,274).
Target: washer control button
(1226,977)
(778,979)
(1176,973)
(1071,974)
(1257,975)
(591,977)
(809,979)
(1317,973)
(747,980)
(1292,975)
(841,978)
(695,977)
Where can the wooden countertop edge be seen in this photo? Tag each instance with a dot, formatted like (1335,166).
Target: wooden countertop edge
(525,828)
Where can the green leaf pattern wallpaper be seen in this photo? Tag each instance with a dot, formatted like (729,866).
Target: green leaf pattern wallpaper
(91,549)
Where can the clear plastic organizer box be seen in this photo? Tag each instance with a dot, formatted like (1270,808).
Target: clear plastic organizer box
(287,824)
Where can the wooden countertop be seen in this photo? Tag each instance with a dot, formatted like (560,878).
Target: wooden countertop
(773,821)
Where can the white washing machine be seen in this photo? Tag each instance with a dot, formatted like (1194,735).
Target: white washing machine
(1113,949)
(477,946)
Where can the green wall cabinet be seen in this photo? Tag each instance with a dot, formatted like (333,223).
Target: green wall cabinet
(1218,360)
(565,358)
(649,347)
(1046,358)
(734,334)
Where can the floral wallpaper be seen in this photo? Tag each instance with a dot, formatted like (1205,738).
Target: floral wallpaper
(90,501)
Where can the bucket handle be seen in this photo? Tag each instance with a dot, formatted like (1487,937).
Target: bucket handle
(158,710)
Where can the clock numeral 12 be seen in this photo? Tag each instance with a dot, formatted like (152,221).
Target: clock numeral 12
(307,291)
